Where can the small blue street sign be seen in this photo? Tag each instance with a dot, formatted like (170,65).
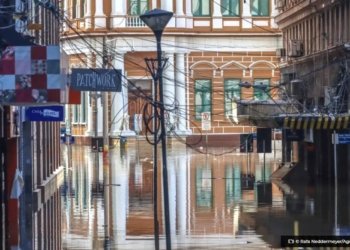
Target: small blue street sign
(45,114)
(343,138)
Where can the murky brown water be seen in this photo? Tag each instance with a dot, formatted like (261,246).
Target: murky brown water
(215,202)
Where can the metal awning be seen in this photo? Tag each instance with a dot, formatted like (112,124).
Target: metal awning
(314,122)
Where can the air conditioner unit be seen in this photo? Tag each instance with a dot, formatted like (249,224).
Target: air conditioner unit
(281,52)
(296,48)
(280,4)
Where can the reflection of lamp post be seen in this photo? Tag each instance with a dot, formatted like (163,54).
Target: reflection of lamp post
(156,20)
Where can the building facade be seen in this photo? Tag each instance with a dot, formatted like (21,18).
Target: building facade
(211,47)
(30,162)
(315,71)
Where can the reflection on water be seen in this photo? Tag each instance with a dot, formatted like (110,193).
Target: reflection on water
(215,202)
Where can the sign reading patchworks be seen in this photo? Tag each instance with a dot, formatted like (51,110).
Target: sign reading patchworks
(96,80)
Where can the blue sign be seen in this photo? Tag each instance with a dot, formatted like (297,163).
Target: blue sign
(343,138)
(45,114)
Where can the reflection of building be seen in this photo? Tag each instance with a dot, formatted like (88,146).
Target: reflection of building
(211,47)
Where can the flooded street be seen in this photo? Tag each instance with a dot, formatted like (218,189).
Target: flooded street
(216,201)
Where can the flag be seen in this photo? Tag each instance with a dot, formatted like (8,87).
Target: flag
(17,186)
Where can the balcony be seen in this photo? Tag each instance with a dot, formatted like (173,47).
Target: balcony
(134,21)
(263,113)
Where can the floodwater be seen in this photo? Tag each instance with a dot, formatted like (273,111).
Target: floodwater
(221,200)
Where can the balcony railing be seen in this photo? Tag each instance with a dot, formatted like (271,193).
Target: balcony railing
(134,21)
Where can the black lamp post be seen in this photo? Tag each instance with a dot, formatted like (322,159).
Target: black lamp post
(156,20)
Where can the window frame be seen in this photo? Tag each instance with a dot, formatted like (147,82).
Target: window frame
(228,8)
(200,8)
(260,3)
(226,99)
(208,89)
(260,92)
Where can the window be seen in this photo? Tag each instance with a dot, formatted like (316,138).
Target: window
(201,7)
(230,7)
(79,111)
(82,8)
(74,9)
(261,89)
(138,7)
(260,7)
(232,93)
(83,107)
(75,113)
(202,97)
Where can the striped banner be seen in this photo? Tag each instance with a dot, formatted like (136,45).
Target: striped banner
(325,122)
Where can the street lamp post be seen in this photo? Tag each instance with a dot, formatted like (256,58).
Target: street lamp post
(156,20)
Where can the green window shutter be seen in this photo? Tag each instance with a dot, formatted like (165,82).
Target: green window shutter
(202,97)
(232,93)
(230,7)
(261,93)
(260,7)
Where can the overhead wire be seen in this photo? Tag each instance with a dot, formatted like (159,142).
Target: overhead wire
(184,83)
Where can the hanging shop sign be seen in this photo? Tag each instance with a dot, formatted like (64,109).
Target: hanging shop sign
(44,113)
(96,80)
(31,74)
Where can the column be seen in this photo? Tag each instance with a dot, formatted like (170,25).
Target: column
(120,194)
(119,106)
(99,64)
(65,11)
(247,16)
(181,192)
(172,195)
(169,92)
(180,16)
(180,93)
(154,4)
(217,16)
(90,114)
(189,16)
(87,14)
(274,13)
(118,14)
(168,6)
(100,17)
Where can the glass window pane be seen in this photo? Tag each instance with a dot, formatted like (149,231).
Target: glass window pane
(196,7)
(260,7)
(230,7)
(202,97)
(143,6)
(133,7)
(201,7)
(205,7)
(232,94)
(261,89)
